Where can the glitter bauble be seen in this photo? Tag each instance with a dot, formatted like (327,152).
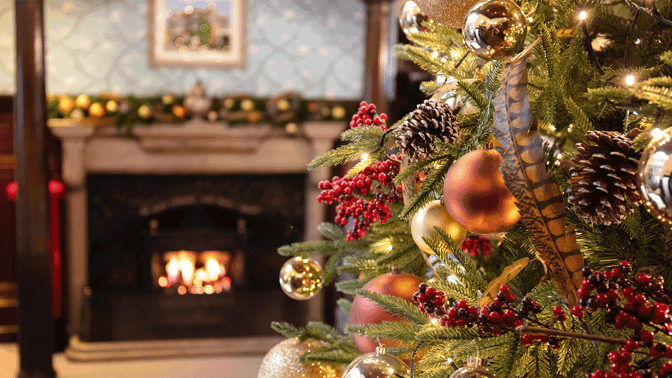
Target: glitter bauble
(96,110)
(66,104)
(301,278)
(179,111)
(475,194)
(473,369)
(366,311)
(376,365)
(111,106)
(82,101)
(283,361)
(495,29)
(145,111)
(435,215)
(654,176)
(411,18)
(447,12)
(197,101)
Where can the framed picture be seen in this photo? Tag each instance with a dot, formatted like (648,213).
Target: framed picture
(197,33)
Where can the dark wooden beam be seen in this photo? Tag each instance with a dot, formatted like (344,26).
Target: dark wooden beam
(36,327)
(376,58)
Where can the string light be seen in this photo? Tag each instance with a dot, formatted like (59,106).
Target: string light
(365,156)
(435,54)
(583,15)
(629,80)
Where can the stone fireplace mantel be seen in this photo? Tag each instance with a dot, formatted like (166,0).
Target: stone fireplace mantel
(191,148)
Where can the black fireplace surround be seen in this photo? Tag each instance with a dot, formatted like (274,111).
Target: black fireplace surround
(132,218)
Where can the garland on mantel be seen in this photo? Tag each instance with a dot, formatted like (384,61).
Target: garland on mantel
(287,110)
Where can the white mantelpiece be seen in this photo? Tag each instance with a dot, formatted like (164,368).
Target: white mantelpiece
(191,148)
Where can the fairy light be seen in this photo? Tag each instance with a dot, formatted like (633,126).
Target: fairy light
(365,156)
(583,15)
(629,80)
(435,54)
(656,133)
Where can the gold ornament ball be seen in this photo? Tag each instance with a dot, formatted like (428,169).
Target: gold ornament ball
(247,105)
(338,112)
(65,104)
(179,111)
(229,103)
(291,128)
(77,114)
(495,29)
(476,196)
(654,175)
(411,18)
(447,12)
(212,116)
(283,105)
(168,99)
(111,106)
(96,110)
(473,369)
(301,278)
(282,361)
(435,215)
(145,111)
(376,365)
(82,101)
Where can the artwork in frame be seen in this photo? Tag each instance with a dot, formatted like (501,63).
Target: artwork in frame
(197,33)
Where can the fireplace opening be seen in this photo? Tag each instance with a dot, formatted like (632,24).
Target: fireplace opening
(182,257)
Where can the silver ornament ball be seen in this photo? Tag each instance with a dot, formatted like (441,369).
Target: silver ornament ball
(473,369)
(654,175)
(376,365)
(411,18)
(495,29)
(301,278)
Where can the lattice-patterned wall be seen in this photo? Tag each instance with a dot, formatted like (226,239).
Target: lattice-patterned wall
(311,46)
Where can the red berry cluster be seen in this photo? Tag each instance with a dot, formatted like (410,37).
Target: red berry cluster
(430,300)
(376,181)
(367,116)
(630,303)
(477,245)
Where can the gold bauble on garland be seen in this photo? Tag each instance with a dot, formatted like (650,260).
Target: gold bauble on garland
(473,369)
(435,215)
(112,106)
(282,361)
(145,111)
(475,194)
(301,278)
(96,110)
(82,101)
(179,111)
(66,104)
(447,12)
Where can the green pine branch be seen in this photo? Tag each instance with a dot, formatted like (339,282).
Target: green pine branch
(396,305)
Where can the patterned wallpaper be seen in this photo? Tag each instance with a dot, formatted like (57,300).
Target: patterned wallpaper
(311,46)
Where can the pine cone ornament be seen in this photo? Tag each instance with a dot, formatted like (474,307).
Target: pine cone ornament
(432,120)
(603,177)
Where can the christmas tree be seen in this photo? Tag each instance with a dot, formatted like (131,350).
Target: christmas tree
(529,194)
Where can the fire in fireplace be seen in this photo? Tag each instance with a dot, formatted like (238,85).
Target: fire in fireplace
(195,272)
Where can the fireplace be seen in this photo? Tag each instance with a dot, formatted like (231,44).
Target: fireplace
(172,235)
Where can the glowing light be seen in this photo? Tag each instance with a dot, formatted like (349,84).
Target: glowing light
(163,281)
(558,156)
(630,80)
(389,247)
(656,133)
(182,290)
(583,15)
(435,54)
(365,156)
(638,41)
(434,320)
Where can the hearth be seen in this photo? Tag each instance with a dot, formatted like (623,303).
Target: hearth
(157,243)
(169,243)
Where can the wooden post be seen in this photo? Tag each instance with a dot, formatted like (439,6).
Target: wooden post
(36,328)
(376,62)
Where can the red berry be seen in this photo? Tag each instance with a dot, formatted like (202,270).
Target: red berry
(647,337)
(430,292)
(583,293)
(505,289)
(495,317)
(577,311)
(462,303)
(631,345)
(526,340)
(643,278)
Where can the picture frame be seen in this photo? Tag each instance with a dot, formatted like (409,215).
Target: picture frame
(197,34)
